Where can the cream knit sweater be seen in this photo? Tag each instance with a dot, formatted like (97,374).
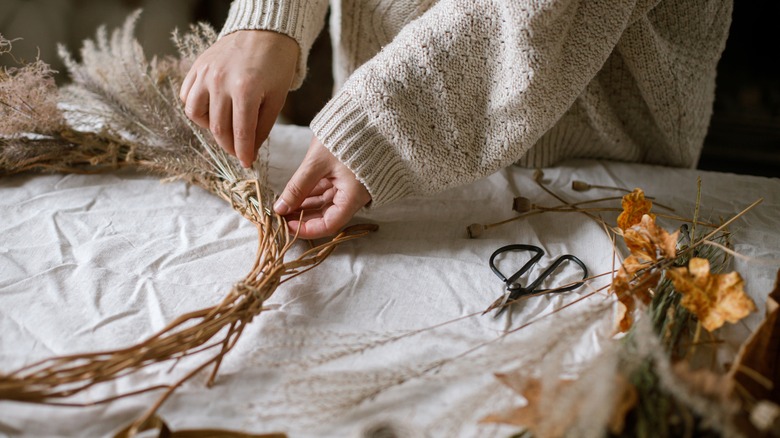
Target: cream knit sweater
(432,94)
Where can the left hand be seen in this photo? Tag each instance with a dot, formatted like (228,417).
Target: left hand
(325,190)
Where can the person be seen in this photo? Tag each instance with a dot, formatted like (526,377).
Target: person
(432,94)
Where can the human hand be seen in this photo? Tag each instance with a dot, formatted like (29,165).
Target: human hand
(237,87)
(325,190)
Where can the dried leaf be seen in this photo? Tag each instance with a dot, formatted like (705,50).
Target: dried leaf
(526,416)
(518,383)
(647,241)
(757,366)
(713,298)
(635,206)
(529,416)
(634,281)
(625,318)
(639,274)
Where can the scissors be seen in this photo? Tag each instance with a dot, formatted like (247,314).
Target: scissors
(515,290)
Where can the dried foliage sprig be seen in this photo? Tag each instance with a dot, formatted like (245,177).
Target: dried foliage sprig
(670,281)
(122,111)
(28,97)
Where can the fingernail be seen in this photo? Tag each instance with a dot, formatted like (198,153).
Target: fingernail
(281,207)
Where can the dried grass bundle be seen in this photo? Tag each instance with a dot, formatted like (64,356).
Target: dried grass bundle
(28,98)
(123,111)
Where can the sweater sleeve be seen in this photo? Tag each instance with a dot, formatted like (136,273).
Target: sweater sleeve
(301,20)
(467,89)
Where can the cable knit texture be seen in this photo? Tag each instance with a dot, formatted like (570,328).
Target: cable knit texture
(433,94)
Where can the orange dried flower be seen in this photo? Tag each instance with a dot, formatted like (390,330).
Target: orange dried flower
(638,276)
(634,207)
(713,298)
(647,240)
(634,281)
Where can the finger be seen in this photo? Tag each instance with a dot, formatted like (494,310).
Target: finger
(307,227)
(186,84)
(265,123)
(305,215)
(347,201)
(322,186)
(316,202)
(245,115)
(196,106)
(299,218)
(221,121)
(322,194)
(319,223)
(309,173)
(327,220)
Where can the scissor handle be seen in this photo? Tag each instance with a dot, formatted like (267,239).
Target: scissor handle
(547,272)
(516,247)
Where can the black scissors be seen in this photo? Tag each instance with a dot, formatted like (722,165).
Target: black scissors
(515,290)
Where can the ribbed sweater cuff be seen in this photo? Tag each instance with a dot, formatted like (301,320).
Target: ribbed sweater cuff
(345,129)
(296,19)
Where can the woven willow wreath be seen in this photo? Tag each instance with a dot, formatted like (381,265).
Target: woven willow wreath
(122,111)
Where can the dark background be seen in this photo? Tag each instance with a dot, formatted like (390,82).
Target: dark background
(744,134)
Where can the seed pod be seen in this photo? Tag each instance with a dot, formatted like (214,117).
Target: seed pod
(521,204)
(580,186)
(475,230)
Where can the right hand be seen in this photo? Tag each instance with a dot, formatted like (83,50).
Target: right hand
(237,87)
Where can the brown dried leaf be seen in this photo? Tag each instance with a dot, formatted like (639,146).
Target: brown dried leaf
(518,383)
(634,207)
(625,316)
(757,367)
(639,274)
(523,416)
(713,298)
(647,240)
(634,281)
(529,416)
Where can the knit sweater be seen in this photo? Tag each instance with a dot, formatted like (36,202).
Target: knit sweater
(433,94)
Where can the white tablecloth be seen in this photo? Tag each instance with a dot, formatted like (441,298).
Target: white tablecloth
(103,261)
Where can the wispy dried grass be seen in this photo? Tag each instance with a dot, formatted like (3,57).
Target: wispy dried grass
(28,97)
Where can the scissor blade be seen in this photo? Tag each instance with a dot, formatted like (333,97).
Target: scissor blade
(498,304)
(510,297)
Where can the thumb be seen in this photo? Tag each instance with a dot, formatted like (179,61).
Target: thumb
(299,187)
